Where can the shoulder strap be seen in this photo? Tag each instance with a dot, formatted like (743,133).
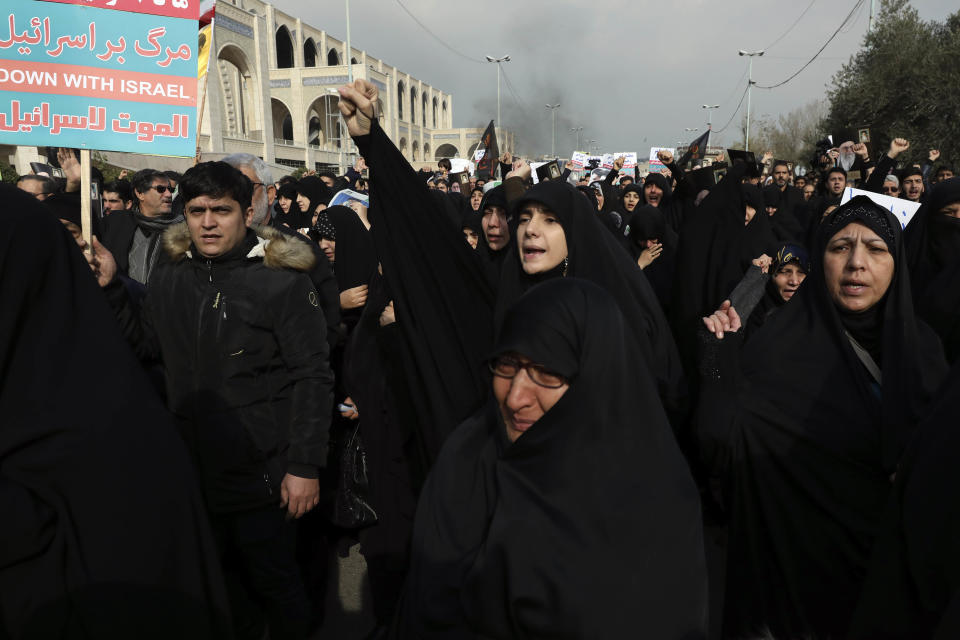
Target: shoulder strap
(866,359)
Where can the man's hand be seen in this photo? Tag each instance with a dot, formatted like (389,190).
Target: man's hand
(767,157)
(123,174)
(763,262)
(934,155)
(101,262)
(723,319)
(861,150)
(353,298)
(360,165)
(299,495)
(388,316)
(834,154)
(665,156)
(569,165)
(356,106)
(71,168)
(618,163)
(506,158)
(648,255)
(898,146)
(521,169)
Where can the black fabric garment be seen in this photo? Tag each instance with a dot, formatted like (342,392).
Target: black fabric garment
(593,254)
(911,590)
(782,221)
(621,207)
(649,223)
(293,218)
(120,227)
(933,249)
(387,435)
(104,533)
(807,443)
(672,207)
(442,298)
(715,250)
(356,257)
(588,525)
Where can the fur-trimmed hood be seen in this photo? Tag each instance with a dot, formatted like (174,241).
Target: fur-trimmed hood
(277,250)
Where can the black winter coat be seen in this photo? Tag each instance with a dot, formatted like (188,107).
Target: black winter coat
(243,343)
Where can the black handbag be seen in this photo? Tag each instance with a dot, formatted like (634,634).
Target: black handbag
(351,506)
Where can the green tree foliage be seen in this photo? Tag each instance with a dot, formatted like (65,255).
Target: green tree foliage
(904,82)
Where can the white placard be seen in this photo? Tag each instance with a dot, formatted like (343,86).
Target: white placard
(458,165)
(478,155)
(607,161)
(655,164)
(629,158)
(903,209)
(533,170)
(579,159)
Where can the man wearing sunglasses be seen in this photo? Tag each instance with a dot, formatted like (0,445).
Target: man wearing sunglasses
(133,237)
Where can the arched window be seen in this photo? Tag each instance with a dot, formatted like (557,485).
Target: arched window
(401,94)
(423,110)
(309,53)
(435,125)
(333,58)
(284,48)
(413,105)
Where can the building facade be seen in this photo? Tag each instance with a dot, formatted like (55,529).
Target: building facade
(273,93)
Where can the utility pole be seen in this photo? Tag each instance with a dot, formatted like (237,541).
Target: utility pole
(553,143)
(497,61)
(751,55)
(577,130)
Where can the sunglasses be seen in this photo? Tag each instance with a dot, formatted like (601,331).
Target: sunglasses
(161,188)
(889,190)
(506,367)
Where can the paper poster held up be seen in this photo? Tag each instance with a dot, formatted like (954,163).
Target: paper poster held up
(903,209)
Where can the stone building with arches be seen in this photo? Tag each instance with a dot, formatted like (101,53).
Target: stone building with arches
(272,93)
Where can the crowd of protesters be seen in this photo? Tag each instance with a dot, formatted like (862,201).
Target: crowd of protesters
(537,407)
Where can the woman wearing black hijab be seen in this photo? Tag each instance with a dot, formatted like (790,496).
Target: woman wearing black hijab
(933,249)
(584,249)
(784,224)
(653,245)
(808,427)
(104,534)
(912,590)
(312,194)
(787,271)
(562,508)
(287,211)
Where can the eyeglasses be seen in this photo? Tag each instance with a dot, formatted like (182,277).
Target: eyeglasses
(890,190)
(162,188)
(507,367)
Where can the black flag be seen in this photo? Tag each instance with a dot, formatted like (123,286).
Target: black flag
(487,165)
(696,151)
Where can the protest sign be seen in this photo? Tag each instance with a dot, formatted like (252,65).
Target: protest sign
(344,197)
(533,171)
(607,161)
(579,159)
(100,74)
(903,209)
(629,158)
(459,165)
(655,164)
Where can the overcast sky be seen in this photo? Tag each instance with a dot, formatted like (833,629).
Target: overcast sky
(632,73)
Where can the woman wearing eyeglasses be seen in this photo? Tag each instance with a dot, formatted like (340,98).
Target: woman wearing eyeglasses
(562,508)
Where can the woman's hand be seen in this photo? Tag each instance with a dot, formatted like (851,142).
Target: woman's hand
(387,316)
(763,262)
(649,254)
(351,413)
(353,298)
(724,319)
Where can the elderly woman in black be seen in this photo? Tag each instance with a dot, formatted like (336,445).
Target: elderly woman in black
(809,426)
(563,507)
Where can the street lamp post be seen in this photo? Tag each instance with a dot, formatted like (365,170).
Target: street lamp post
(497,61)
(751,55)
(577,130)
(553,139)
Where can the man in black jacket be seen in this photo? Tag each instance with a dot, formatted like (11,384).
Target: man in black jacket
(134,237)
(239,329)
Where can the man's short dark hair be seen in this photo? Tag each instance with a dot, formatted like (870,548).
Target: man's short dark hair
(836,170)
(445,164)
(216,180)
(174,176)
(327,174)
(942,168)
(121,188)
(780,163)
(49,184)
(142,180)
(630,178)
